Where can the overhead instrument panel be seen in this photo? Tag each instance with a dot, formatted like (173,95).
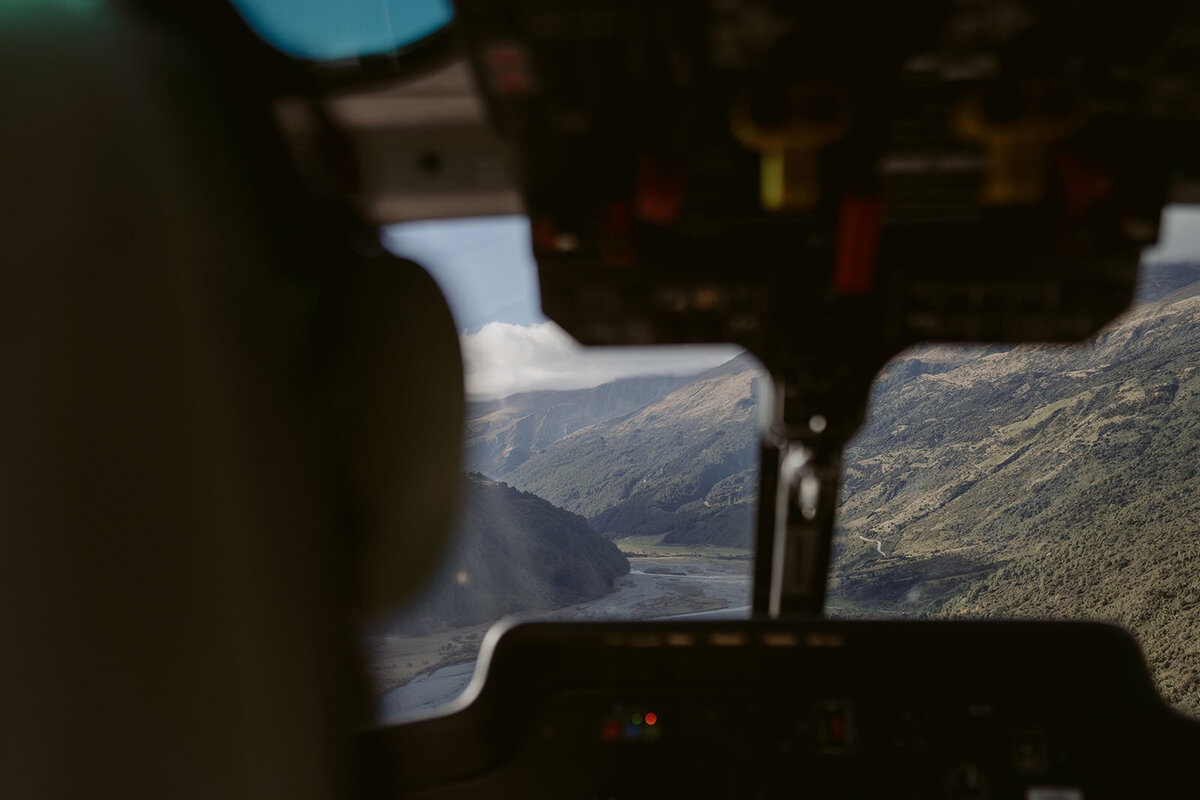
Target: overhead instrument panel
(961,711)
(827,183)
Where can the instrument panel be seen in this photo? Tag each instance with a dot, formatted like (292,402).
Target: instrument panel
(1044,711)
(826,184)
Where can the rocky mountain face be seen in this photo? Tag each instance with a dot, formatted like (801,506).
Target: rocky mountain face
(1159,280)
(683,466)
(512,552)
(1039,482)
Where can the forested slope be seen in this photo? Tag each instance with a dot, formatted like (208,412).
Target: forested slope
(1037,481)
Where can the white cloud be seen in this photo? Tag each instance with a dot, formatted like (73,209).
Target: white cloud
(1179,239)
(502,359)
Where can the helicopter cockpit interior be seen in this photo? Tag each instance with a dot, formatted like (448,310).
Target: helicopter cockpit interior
(950,172)
(821,184)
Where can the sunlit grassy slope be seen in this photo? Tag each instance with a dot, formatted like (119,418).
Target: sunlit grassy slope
(1038,482)
(654,546)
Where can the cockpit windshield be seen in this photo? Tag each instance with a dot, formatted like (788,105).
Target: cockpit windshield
(1030,481)
(597,484)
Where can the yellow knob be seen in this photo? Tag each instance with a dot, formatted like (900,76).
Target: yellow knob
(1016,148)
(789,173)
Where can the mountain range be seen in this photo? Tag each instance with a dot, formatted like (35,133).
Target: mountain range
(503,434)
(679,461)
(987,481)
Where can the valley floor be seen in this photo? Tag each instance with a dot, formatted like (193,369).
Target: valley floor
(418,672)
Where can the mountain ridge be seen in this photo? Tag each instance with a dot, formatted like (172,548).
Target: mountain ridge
(502,434)
(684,465)
(1065,487)
(512,552)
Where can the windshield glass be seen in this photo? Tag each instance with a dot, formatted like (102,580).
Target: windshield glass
(597,484)
(1000,481)
(1041,481)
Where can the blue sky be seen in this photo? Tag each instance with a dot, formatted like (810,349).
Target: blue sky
(484,266)
(486,270)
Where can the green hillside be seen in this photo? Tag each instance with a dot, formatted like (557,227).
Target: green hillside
(683,467)
(1038,482)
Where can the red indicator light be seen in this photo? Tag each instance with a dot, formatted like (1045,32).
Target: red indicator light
(611,731)
(651,718)
(836,731)
(857,245)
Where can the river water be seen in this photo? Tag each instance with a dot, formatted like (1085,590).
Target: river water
(655,588)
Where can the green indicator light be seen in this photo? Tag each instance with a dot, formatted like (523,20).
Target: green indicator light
(636,719)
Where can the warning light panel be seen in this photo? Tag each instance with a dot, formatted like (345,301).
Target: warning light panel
(630,724)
